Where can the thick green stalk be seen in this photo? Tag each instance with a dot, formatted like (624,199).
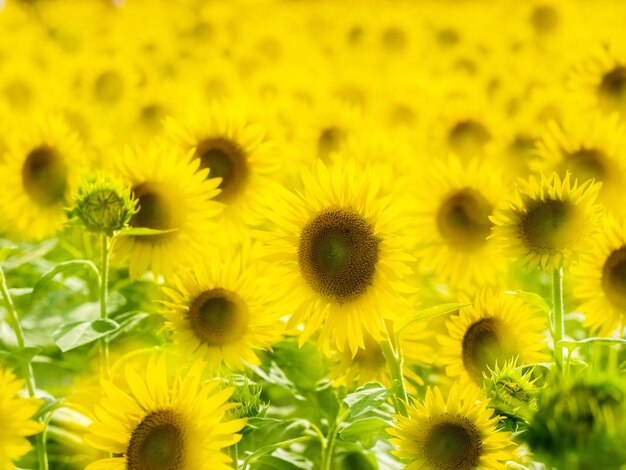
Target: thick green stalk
(329,448)
(394,363)
(27,369)
(103,295)
(558,315)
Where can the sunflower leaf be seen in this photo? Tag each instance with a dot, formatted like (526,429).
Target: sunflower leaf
(66,267)
(532,299)
(366,431)
(366,398)
(427,313)
(72,335)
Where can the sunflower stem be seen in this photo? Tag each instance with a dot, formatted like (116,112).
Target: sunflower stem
(329,449)
(394,363)
(103,286)
(27,368)
(558,315)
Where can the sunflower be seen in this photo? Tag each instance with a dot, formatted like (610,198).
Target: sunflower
(173,196)
(342,245)
(230,142)
(599,279)
(225,308)
(44,164)
(457,434)
(590,149)
(550,222)
(452,222)
(155,423)
(495,328)
(16,414)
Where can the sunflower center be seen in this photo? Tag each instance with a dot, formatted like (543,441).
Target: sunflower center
(614,277)
(371,357)
(468,137)
(544,19)
(453,444)
(108,87)
(613,89)
(588,163)
(226,160)
(482,347)
(44,176)
(155,211)
(337,254)
(463,219)
(330,141)
(218,317)
(157,443)
(547,226)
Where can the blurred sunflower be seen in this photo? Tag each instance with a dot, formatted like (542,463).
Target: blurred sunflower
(495,328)
(16,415)
(223,309)
(459,433)
(452,222)
(599,279)
(550,222)
(174,196)
(342,244)
(233,146)
(43,165)
(156,423)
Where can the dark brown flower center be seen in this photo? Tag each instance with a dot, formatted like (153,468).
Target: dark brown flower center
(330,141)
(544,19)
(467,138)
(546,227)
(586,164)
(482,347)
(44,176)
(453,444)
(224,159)
(614,277)
(157,443)
(337,254)
(218,317)
(463,219)
(612,90)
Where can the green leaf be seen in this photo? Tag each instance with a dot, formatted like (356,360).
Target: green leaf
(73,335)
(66,267)
(7,251)
(272,447)
(282,459)
(532,299)
(366,431)
(366,398)
(142,232)
(427,313)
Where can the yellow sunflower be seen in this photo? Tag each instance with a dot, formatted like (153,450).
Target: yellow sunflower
(452,222)
(174,196)
(599,279)
(590,148)
(550,221)
(158,423)
(342,244)
(225,308)
(43,165)
(459,433)
(493,329)
(232,143)
(16,416)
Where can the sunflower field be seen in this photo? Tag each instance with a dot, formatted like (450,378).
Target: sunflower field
(312,234)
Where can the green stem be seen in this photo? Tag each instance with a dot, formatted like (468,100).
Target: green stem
(329,449)
(27,369)
(394,363)
(103,285)
(558,316)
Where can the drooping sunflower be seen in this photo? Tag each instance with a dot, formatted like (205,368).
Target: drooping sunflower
(599,279)
(16,414)
(550,221)
(157,423)
(173,196)
(43,165)
(452,223)
(232,143)
(343,247)
(494,328)
(454,434)
(223,309)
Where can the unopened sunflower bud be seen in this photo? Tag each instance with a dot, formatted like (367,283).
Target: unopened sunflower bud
(103,204)
(248,395)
